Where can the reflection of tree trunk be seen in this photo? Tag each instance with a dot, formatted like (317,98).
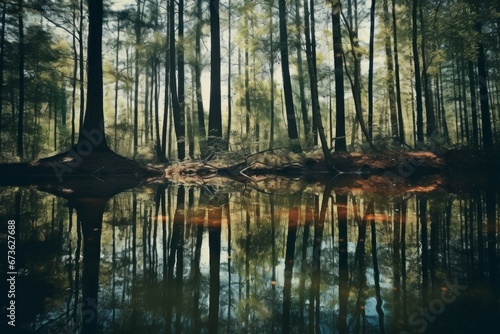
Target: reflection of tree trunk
(90,212)
(480,238)
(435,218)
(396,245)
(199,221)
(491,236)
(360,256)
(289,259)
(179,273)
(343,265)
(319,225)
(376,272)
(403,254)
(247,270)
(425,263)
(309,220)
(214,239)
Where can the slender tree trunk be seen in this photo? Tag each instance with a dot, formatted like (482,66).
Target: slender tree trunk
(229,98)
(483,92)
(20,124)
(248,109)
(338,53)
(271,66)
(311,61)
(464,101)
(398,83)
(2,53)
(418,84)
(81,66)
(473,98)
(390,72)
(176,107)
(117,69)
(214,117)
(300,70)
(181,76)
(287,83)
(197,68)
(370,70)
(429,107)
(137,28)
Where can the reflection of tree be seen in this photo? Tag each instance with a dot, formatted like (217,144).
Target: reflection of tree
(90,212)
(341,201)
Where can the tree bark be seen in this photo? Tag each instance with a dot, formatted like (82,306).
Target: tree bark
(215,117)
(418,84)
(20,124)
(93,123)
(287,83)
(338,54)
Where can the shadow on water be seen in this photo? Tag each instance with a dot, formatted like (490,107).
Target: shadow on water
(173,258)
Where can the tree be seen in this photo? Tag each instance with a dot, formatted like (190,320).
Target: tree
(93,123)
(338,54)
(418,84)
(287,83)
(20,124)
(215,117)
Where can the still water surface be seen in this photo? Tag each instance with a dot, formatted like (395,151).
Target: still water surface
(171,258)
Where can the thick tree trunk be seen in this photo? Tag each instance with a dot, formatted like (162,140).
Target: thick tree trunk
(93,124)
(338,53)
(215,117)
(287,83)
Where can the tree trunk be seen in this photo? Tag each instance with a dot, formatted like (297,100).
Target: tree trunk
(2,53)
(370,70)
(137,28)
(483,92)
(229,99)
(214,117)
(93,124)
(176,107)
(390,72)
(429,107)
(287,83)
(181,80)
(300,70)
(398,84)
(20,124)
(473,106)
(418,84)
(338,54)
(311,61)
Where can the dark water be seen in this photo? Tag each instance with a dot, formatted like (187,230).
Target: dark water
(200,259)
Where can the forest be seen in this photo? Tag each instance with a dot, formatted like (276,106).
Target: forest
(250,166)
(225,80)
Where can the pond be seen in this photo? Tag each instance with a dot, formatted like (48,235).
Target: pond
(209,258)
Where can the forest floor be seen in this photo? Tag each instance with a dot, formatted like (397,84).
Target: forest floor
(103,174)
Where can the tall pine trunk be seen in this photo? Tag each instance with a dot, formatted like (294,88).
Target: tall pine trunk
(287,83)
(338,54)
(418,84)
(214,117)
(20,124)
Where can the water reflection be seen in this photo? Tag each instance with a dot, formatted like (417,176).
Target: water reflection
(198,259)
